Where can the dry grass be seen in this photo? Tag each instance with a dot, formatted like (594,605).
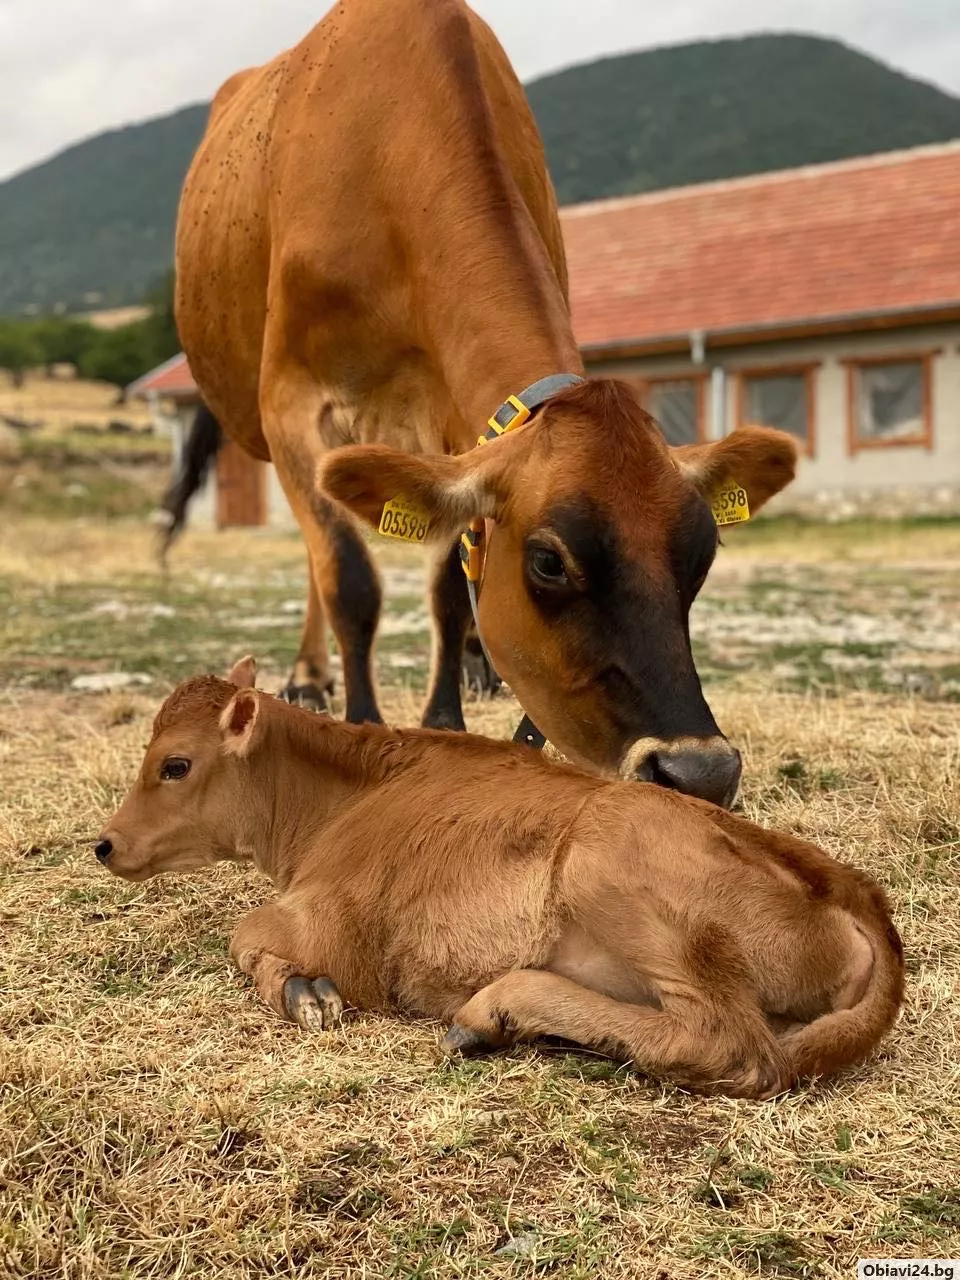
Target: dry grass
(62,402)
(156,1121)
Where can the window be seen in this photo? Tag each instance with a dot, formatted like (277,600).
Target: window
(676,404)
(779,398)
(890,402)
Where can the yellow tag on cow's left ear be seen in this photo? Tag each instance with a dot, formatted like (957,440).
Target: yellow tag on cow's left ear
(402,520)
(730,504)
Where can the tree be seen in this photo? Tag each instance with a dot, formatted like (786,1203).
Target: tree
(19,349)
(162,325)
(63,341)
(118,356)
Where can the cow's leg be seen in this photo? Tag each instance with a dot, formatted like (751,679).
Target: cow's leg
(284,954)
(311,682)
(450,606)
(349,587)
(690,1042)
(478,675)
(457,655)
(344,576)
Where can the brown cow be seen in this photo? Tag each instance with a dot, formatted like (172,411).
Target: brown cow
(369,255)
(448,875)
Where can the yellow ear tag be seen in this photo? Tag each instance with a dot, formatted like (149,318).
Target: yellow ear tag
(401,520)
(730,504)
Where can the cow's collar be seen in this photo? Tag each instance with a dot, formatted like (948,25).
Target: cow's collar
(513,413)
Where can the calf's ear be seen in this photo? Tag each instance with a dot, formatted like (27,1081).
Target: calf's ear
(759,459)
(447,491)
(243,673)
(240,721)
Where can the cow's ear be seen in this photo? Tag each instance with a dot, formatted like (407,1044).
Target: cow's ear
(240,722)
(243,673)
(445,492)
(759,459)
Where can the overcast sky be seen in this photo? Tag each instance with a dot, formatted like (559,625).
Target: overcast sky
(71,68)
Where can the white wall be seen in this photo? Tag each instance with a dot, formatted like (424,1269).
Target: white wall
(895,473)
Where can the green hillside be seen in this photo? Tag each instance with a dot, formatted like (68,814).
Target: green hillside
(98,219)
(668,117)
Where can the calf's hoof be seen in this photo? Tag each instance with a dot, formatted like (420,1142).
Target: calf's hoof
(464,1042)
(312,697)
(759,1083)
(313,1006)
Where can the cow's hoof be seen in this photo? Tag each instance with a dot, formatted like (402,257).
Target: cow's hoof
(464,1042)
(310,696)
(478,675)
(314,1006)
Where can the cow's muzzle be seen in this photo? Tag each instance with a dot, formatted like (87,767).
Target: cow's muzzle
(708,768)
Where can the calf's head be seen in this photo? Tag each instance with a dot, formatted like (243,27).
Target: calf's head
(601,538)
(191,804)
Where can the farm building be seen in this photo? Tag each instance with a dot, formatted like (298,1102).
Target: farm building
(823,300)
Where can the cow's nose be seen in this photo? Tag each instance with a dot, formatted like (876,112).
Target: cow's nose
(103,850)
(709,772)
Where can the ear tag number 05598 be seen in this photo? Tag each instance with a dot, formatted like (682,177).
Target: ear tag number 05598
(400,520)
(730,504)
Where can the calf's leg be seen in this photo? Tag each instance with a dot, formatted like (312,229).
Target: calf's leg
(689,1041)
(283,953)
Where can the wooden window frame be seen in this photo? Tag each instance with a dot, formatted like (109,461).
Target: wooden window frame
(806,370)
(699,380)
(855,443)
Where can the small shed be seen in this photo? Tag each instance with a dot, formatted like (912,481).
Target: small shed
(242,492)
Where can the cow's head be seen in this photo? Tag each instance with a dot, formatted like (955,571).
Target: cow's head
(191,805)
(602,537)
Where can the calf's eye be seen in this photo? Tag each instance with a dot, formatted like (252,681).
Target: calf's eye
(174,768)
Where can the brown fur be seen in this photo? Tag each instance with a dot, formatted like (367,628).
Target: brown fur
(470,880)
(369,255)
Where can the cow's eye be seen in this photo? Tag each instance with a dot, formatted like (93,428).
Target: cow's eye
(546,567)
(174,768)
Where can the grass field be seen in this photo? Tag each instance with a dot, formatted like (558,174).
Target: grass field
(156,1121)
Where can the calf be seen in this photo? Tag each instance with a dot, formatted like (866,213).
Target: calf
(471,880)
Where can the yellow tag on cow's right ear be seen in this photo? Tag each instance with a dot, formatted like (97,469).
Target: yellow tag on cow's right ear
(402,520)
(730,504)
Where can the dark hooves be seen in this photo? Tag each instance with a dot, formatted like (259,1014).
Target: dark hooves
(314,1006)
(309,696)
(464,1042)
(478,675)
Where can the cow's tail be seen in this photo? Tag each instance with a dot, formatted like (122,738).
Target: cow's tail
(199,450)
(844,1037)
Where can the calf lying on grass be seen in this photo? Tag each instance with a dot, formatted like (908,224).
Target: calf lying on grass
(471,880)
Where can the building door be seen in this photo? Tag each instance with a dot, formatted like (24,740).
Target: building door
(241,488)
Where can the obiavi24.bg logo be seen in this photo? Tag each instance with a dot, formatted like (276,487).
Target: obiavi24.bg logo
(893,1268)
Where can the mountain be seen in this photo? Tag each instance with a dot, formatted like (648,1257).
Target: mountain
(94,225)
(723,108)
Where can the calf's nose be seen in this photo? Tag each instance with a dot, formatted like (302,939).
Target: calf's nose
(709,771)
(103,850)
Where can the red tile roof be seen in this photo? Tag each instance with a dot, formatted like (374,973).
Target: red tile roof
(172,378)
(850,239)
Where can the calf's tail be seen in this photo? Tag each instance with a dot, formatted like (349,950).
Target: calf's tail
(199,450)
(846,1036)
